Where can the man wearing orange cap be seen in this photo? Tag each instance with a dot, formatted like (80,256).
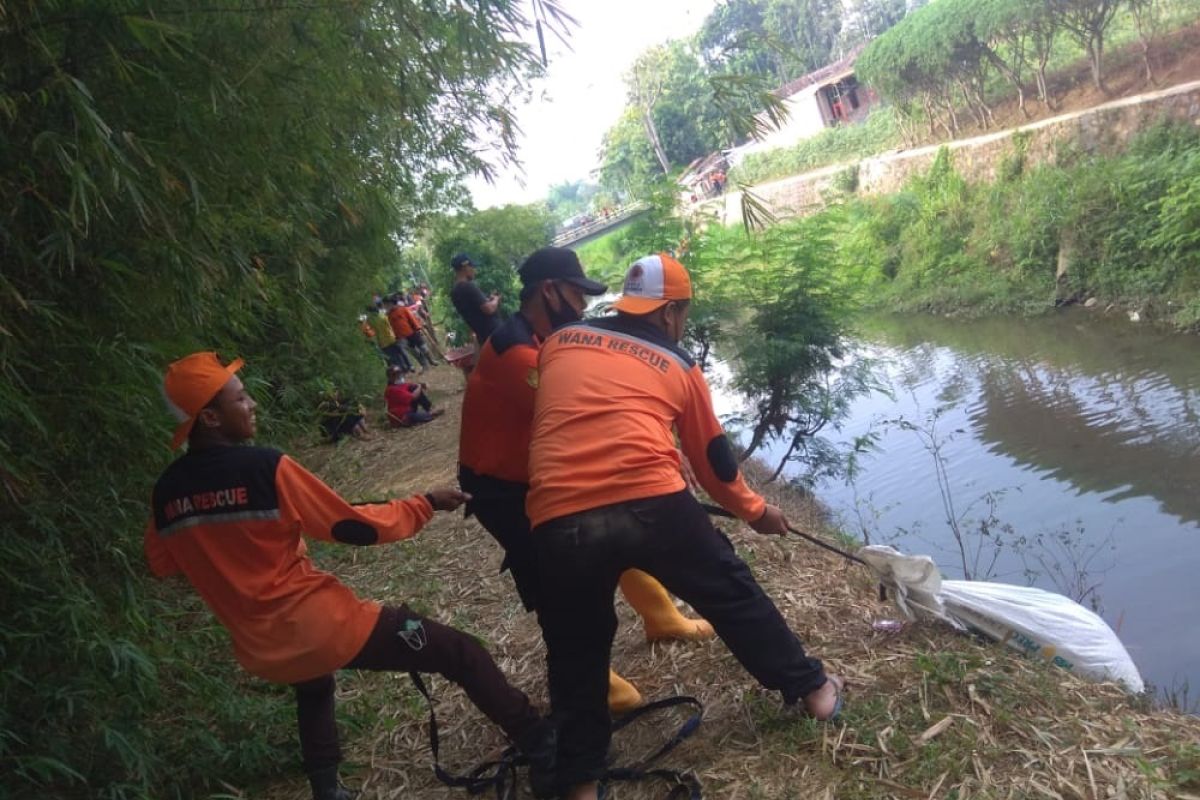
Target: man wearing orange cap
(493,450)
(231,517)
(607,495)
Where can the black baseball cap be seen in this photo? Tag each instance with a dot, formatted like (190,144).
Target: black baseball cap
(558,264)
(459,260)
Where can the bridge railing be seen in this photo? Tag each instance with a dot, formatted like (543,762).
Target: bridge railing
(602,223)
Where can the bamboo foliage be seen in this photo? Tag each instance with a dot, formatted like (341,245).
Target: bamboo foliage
(237,175)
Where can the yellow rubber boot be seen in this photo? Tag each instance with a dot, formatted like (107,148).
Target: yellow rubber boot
(660,616)
(622,695)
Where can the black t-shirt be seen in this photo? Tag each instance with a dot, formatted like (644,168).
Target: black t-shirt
(467,299)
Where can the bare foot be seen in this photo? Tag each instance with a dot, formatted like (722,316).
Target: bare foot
(826,703)
(583,791)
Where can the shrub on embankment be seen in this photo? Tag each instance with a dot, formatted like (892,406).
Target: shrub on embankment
(875,134)
(176,178)
(1122,229)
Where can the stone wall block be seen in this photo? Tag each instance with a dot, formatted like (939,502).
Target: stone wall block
(1103,130)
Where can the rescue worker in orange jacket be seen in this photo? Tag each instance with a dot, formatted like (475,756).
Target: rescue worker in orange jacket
(493,455)
(231,517)
(407,328)
(606,495)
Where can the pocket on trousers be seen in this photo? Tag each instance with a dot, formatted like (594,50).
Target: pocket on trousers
(556,534)
(647,512)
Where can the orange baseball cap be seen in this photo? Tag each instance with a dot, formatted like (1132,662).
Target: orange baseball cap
(189,385)
(652,282)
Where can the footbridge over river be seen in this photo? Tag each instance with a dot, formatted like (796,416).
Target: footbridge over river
(600,226)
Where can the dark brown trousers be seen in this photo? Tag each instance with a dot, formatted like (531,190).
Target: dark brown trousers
(404,641)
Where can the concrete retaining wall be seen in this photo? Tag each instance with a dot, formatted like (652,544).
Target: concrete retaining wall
(1104,129)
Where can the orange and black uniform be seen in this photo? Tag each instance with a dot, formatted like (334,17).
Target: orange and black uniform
(407,327)
(493,449)
(231,519)
(607,495)
(404,323)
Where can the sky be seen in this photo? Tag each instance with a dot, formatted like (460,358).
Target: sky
(583,93)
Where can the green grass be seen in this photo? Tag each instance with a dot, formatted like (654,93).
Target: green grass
(879,132)
(602,251)
(946,245)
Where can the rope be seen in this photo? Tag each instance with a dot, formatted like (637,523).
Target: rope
(501,774)
(717,511)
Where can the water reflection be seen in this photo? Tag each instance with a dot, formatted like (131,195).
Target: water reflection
(1089,423)
(1108,408)
(1111,437)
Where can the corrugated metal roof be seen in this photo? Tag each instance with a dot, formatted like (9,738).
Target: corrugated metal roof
(825,73)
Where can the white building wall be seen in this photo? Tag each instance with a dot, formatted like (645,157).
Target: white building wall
(804,120)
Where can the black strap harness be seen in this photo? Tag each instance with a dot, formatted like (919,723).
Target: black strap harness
(501,774)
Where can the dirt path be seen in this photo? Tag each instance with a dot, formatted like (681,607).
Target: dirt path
(930,714)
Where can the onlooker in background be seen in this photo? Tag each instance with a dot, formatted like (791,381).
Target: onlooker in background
(386,339)
(367,331)
(417,306)
(480,313)
(407,327)
(408,404)
(420,307)
(340,417)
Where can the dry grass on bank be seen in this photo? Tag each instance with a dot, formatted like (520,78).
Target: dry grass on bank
(930,714)
(1175,59)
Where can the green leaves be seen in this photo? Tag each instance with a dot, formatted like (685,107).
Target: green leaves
(180,176)
(153,34)
(1178,211)
(497,240)
(775,309)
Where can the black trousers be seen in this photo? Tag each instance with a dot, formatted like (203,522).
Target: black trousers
(417,343)
(397,357)
(422,402)
(336,427)
(580,557)
(500,508)
(403,641)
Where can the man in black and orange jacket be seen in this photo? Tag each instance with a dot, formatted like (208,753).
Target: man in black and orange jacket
(231,519)
(407,328)
(493,455)
(606,495)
